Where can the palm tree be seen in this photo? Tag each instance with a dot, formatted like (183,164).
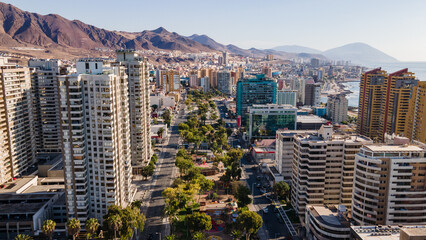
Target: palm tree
(73,227)
(114,223)
(48,228)
(23,237)
(92,226)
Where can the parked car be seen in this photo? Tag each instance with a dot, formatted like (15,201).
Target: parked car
(266,210)
(258,185)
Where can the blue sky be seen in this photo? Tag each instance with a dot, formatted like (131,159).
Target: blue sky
(396,27)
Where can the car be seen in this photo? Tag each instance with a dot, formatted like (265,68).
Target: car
(258,178)
(265,210)
(258,185)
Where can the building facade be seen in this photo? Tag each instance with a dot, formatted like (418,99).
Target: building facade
(251,91)
(265,120)
(17,136)
(312,94)
(389,186)
(45,104)
(337,108)
(323,168)
(139,104)
(415,128)
(224,82)
(95,139)
(170,81)
(288,97)
(384,102)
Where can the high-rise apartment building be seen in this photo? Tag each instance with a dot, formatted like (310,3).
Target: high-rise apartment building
(288,97)
(312,94)
(96,139)
(17,137)
(397,90)
(170,81)
(225,58)
(323,168)
(384,102)
(224,82)
(251,91)
(337,108)
(45,104)
(140,110)
(390,184)
(415,127)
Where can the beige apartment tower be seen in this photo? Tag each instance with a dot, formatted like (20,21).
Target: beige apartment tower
(17,138)
(140,121)
(390,184)
(323,168)
(96,139)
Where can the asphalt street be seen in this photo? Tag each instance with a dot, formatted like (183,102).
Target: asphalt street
(273,227)
(156,225)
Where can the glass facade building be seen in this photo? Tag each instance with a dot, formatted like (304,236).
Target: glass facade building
(252,91)
(265,120)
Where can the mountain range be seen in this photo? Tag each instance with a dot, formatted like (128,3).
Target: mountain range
(56,36)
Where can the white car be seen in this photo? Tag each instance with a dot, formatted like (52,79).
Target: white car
(265,210)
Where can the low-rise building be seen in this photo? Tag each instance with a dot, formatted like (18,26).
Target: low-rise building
(327,223)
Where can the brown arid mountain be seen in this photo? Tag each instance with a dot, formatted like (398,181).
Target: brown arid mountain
(46,36)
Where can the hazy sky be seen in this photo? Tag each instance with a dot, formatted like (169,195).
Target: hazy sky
(396,27)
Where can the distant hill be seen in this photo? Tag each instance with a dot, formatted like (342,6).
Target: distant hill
(360,53)
(296,49)
(20,28)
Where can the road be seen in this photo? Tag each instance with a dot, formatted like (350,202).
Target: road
(156,225)
(273,228)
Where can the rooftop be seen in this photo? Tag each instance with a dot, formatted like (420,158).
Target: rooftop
(329,216)
(310,119)
(394,148)
(386,232)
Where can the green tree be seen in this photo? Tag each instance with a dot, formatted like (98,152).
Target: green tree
(114,223)
(136,204)
(167,116)
(48,228)
(281,189)
(183,164)
(237,234)
(242,196)
(160,132)
(73,227)
(183,127)
(171,237)
(249,222)
(23,237)
(92,226)
(199,236)
(198,222)
(147,171)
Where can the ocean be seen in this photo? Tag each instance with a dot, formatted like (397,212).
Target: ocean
(418,68)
